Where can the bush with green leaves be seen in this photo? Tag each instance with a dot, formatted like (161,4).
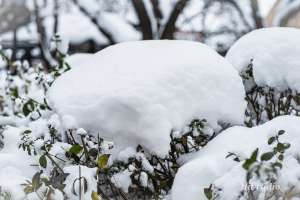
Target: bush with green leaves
(266,103)
(262,173)
(149,175)
(66,155)
(4,195)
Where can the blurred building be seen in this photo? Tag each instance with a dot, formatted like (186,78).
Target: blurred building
(285,13)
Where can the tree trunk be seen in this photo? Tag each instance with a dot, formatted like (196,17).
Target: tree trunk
(256,14)
(95,22)
(55,16)
(145,22)
(45,52)
(170,27)
(158,15)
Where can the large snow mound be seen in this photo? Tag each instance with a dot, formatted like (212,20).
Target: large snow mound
(137,92)
(275,54)
(205,169)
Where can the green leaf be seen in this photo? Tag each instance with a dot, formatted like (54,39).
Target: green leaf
(93,152)
(46,104)
(286,145)
(42,107)
(102,161)
(36,181)
(208,192)
(27,132)
(281,132)
(14,92)
(267,156)
(281,157)
(28,189)
(28,107)
(248,176)
(280,147)
(248,162)
(43,161)
(95,196)
(75,149)
(254,155)
(278,164)
(271,140)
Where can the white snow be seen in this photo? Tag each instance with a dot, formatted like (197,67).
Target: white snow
(205,169)
(122,180)
(118,28)
(137,92)
(68,122)
(73,182)
(125,154)
(14,169)
(75,59)
(275,55)
(81,131)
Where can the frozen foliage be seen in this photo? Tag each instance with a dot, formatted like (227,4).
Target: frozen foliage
(137,92)
(124,121)
(267,60)
(274,53)
(205,169)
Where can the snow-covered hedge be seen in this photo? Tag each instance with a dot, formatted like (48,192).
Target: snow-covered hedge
(229,176)
(153,100)
(268,61)
(121,123)
(273,53)
(136,93)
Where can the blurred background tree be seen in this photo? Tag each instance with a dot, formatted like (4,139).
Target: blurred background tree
(27,27)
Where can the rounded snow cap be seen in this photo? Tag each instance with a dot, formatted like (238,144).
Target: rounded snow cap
(274,53)
(137,92)
(211,164)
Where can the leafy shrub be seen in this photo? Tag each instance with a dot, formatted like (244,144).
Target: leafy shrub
(57,148)
(262,172)
(266,103)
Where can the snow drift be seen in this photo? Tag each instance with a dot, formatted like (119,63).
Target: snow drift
(205,169)
(137,92)
(274,53)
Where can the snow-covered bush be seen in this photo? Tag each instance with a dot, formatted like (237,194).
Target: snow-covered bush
(267,59)
(262,175)
(136,93)
(234,149)
(151,120)
(138,112)
(141,119)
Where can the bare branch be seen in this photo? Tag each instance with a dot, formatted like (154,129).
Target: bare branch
(45,52)
(256,14)
(157,12)
(168,32)
(95,22)
(145,22)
